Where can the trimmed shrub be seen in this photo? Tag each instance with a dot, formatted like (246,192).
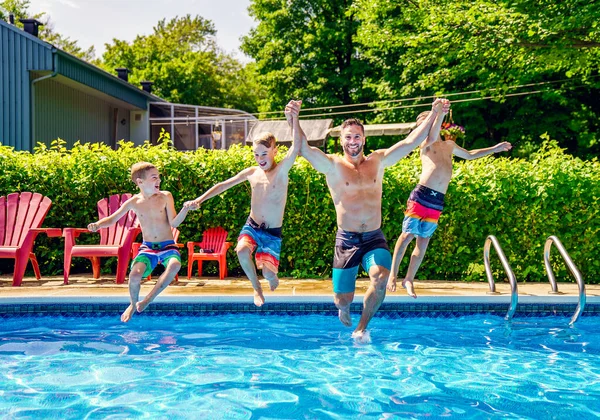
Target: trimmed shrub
(520,201)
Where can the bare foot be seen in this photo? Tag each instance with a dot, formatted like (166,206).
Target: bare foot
(361,337)
(391,284)
(273,283)
(259,299)
(410,288)
(140,306)
(126,316)
(344,315)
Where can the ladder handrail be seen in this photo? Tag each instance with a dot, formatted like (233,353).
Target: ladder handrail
(491,239)
(572,267)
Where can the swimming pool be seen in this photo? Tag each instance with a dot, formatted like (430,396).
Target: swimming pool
(285,366)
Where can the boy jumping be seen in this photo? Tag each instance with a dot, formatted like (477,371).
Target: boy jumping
(426,201)
(155,210)
(262,231)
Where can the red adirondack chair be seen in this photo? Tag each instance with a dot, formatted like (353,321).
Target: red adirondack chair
(135,247)
(21,216)
(212,248)
(115,241)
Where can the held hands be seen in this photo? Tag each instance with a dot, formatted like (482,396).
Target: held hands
(191,205)
(292,110)
(441,105)
(503,147)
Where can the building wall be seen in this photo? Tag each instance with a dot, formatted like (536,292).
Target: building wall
(140,127)
(19,53)
(61,111)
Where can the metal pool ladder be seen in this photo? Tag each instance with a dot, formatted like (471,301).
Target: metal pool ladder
(572,267)
(491,239)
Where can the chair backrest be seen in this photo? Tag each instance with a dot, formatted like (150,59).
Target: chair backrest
(213,238)
(175,233)
(20,212)
(115,234)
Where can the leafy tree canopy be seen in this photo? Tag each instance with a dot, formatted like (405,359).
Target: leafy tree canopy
(183,60)
(352,51)
(306,49)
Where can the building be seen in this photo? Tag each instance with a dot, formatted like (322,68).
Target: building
(47,93)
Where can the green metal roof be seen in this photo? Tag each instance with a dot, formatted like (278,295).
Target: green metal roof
(96,78)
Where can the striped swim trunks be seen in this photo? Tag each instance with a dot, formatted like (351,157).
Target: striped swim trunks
(423,210)
(266,241)
(154,253)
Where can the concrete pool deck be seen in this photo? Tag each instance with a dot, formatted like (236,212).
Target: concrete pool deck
(84,286)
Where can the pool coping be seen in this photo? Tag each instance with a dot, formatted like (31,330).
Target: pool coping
(240,299)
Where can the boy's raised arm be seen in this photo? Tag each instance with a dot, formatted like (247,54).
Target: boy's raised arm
(434,131)
(292,111)
(319,160)
(477,153)
(220,187)
(113,218)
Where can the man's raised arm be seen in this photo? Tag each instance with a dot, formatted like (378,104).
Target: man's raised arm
(392,155)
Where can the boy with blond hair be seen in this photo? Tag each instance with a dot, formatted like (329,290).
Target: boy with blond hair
(155,211)
(262,231)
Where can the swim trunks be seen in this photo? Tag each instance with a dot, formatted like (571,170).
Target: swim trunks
(266,241)
(423,210)
(153,253)
(354,248)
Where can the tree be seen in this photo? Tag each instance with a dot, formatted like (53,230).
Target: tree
(183,60)
(425,47)
(306,49)
(19,9)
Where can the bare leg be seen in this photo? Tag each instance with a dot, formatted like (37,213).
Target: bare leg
(135,279)
(271,277)
(245,257)
(373,298)
(399,250)
(163,281)
(415,262)
(342,302)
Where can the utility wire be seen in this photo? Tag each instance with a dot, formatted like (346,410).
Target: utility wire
(395,107)
(418,98)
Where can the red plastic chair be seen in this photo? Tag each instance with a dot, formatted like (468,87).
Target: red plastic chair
(135,248)
(21,216)
(115,241)
(212,248)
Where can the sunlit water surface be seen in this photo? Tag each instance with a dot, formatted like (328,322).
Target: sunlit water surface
(245,366)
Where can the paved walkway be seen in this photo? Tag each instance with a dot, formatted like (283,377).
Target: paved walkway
(86,286)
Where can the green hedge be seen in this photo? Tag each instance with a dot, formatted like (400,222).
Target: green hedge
(522,202)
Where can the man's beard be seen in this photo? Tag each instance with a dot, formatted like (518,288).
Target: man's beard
(351,153)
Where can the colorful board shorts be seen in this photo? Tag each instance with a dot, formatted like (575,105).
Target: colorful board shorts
(423,210)
(153,253)
(266,241)
(354,248)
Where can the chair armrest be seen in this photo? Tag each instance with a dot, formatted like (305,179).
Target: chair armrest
(51,232)
(226,246)
(191,245)
(135,248)
(74,232)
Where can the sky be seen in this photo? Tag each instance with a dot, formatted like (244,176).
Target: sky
(97,22)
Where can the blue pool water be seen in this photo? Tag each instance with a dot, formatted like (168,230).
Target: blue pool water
(248,366)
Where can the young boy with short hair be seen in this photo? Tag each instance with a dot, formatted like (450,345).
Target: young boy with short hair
(426,201)
(155,211)
(262,231)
